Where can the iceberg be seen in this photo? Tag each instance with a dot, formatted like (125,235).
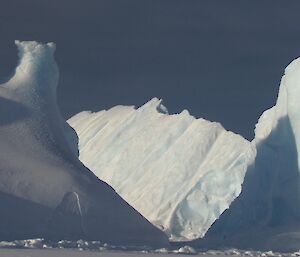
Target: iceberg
(267,213)
(179,172)
(45,191)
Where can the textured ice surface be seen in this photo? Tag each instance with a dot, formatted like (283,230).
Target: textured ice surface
(181,173)
(45,191)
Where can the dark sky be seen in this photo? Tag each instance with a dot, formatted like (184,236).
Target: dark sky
(221,60)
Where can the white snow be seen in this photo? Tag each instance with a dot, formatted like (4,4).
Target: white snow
(181,173)
(45,191)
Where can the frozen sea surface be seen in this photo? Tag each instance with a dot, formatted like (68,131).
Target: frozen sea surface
(77,253)
(80,248)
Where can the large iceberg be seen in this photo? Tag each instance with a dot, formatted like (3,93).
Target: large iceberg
(45,191)
(180,172)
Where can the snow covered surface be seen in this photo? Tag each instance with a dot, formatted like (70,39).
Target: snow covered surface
(181,173)
(45,191)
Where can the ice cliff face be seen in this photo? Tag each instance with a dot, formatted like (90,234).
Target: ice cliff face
(267,213)
(181,173)
(45,191)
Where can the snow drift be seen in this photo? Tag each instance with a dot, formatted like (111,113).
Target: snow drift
(45,191)
(181,173)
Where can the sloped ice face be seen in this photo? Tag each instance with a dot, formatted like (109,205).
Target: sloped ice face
(45,191)
(277,137)
(181,173)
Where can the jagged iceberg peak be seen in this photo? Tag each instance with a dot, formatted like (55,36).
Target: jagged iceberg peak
(278,139)
(45,191)
(36,64)
(287,108)
(28,99)
(155,104)
(180,172)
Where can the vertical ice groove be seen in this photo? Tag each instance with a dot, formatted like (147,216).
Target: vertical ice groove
(196,176)
(167,150)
